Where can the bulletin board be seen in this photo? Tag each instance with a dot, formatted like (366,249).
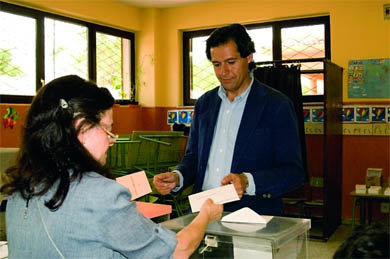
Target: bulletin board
(369,78)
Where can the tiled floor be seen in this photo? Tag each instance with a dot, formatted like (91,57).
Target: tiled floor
(324,250)
(317,249)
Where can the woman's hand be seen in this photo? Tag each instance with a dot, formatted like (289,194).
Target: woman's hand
(189,238)
(212,210)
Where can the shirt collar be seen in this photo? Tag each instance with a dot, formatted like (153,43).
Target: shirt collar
(238,98)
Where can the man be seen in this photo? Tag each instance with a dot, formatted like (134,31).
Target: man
(243,132)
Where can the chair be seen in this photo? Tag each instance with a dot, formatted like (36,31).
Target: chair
(179,201)
(159,152)
(316,197)
(293,202)
(122,156)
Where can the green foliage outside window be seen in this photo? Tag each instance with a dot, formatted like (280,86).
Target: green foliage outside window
(6,67)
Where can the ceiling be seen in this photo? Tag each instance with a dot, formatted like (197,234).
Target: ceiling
(162,3)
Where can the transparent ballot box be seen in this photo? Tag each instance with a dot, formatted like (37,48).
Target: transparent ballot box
(281,238)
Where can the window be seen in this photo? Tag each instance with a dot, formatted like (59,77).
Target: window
(64,56)
(17,54)
(304,41)
(113,64)
(36,47)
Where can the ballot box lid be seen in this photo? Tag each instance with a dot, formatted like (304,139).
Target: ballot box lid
(277,232)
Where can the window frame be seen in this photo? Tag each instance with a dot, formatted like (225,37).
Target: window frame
(277,27)
(93,28)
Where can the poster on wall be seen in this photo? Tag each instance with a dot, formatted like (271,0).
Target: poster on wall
(369,78)
(306,115)
(185,116)
(172,117)
(348,114)
(378,114)
(363,114)
(317,115)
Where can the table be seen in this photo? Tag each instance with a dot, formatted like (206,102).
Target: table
(365,199)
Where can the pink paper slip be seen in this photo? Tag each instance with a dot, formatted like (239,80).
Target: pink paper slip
(137,183)
(152,210)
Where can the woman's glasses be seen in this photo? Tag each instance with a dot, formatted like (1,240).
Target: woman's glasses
(110,135)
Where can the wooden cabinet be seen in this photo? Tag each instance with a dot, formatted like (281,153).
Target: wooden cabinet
(324,155)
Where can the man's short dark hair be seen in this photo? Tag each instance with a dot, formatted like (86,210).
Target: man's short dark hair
(235,32)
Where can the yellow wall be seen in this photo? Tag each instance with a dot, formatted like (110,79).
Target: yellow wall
(104,12)
(358,31)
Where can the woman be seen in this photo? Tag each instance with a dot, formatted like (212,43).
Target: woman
(62,205)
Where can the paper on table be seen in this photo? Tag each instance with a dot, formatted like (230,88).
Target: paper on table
(152,210)
(137,183)
(219,195)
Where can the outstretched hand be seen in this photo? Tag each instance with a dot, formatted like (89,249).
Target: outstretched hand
(240,182)
(165,182)
(213,211)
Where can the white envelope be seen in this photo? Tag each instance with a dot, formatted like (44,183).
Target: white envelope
(240,227)
(220,195)
(246,215)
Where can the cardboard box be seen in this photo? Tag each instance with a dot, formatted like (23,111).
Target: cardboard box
(360,188)
(374,177)
(374,189)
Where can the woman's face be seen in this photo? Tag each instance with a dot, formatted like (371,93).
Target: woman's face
(98,139)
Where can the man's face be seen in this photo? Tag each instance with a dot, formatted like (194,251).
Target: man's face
(230,68)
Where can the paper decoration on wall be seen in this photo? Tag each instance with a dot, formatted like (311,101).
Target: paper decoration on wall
(378,114)
(185,116)
(306,115)
(348,114)
(172,117)
(317,115)
(388,114)
(10,118)
(362,114)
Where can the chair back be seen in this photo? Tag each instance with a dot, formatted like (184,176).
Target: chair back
(122,156)
(159,152)
(317,188)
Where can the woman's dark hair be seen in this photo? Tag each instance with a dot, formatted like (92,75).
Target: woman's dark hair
(369,241)
(235,32)
(50,153)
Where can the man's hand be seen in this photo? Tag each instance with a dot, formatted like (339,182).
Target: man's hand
(165,182)
(240,182)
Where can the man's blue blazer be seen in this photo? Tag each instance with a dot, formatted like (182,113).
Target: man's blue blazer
(267,146)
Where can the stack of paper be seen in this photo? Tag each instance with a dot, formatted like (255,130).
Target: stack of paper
(374,189)
(360,188)
(152,210)
(387,191)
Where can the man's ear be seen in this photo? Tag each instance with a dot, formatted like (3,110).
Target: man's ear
(249,58)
